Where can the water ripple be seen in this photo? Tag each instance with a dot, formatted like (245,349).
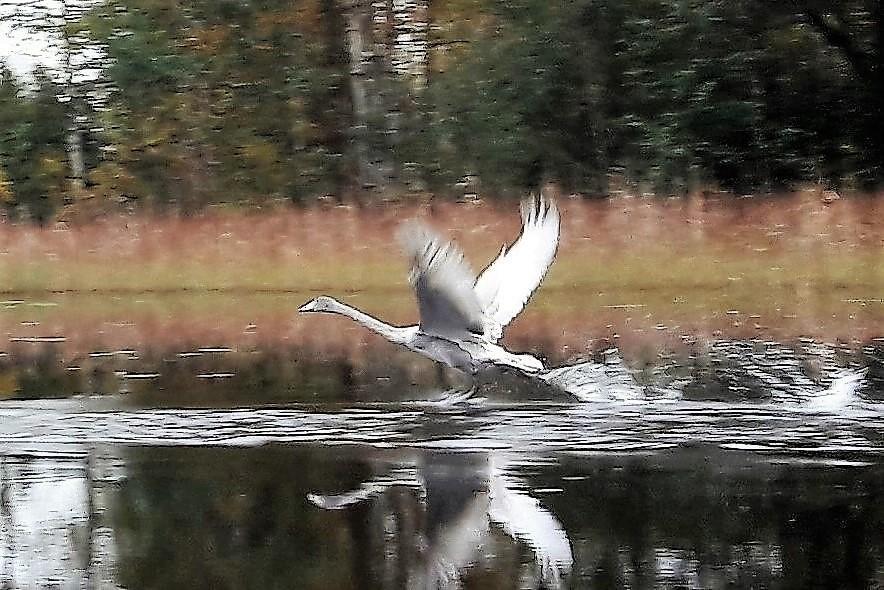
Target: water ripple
(528,428)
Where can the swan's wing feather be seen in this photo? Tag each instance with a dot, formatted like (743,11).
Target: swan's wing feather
(443,283)
(505,286)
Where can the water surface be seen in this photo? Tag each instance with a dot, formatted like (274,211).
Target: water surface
(649,492)
(163,448)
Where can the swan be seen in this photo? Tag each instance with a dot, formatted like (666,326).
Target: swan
(463,317)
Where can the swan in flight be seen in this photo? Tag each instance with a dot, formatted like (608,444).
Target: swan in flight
(462,317)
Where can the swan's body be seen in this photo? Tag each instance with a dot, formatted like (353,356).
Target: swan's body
(463,317)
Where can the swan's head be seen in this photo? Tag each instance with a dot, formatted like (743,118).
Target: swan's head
(321,303)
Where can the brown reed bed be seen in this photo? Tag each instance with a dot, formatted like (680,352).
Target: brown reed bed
(630,272)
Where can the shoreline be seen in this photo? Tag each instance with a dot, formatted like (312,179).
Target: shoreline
(633,270)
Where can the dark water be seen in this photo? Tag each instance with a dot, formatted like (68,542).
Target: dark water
(638,487)
(731,464)
(163,517)
(280,373)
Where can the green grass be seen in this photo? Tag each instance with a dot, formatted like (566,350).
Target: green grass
(660,268)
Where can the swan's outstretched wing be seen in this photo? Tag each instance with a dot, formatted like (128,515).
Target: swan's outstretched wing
(505,286)
(443,283)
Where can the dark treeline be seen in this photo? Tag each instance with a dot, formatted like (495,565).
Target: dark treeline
(209,102)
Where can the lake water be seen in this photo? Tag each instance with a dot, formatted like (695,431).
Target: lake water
(751,465)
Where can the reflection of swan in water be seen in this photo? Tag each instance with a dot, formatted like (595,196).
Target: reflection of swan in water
(462,317)
(463,495)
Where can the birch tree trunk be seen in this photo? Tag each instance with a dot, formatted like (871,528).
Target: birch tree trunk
(366,79)
(387,46)
(410,45)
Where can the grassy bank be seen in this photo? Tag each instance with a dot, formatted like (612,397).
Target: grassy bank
(622,243)
(778,267)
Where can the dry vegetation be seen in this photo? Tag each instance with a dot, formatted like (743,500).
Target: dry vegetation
(630,271)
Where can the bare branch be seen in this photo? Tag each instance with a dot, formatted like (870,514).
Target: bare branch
(835,33)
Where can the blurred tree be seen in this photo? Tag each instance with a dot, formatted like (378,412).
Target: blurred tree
(856,29)
(370,91)
(387,47)
(73,63)
(223,101)
(32,148)
(673,93)
(512,102)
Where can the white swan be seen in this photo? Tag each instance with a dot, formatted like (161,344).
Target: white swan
(463,317)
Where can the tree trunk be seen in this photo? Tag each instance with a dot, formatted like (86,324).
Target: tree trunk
(387,45)
(410,45)
(366,48)
(76,161)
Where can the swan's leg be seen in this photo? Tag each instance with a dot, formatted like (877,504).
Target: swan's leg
(453,396)
(456,395)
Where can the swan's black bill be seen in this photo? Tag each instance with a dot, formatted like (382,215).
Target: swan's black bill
(309,306)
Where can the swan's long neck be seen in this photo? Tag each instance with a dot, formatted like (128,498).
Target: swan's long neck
(392,333)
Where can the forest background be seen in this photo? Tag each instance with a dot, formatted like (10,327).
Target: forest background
(171,106)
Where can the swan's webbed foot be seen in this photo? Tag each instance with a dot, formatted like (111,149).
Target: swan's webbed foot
(455,396)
